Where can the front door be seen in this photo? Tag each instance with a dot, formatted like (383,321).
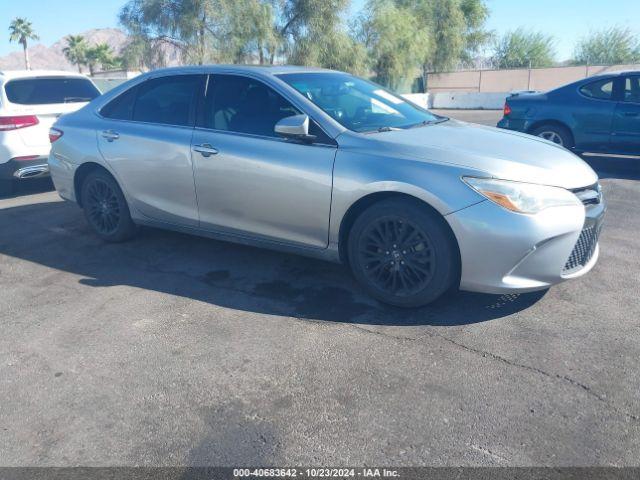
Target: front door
(145,136)
(251,182)
(625,135)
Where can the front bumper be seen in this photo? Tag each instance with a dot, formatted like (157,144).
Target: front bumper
(504,252)
(24,169)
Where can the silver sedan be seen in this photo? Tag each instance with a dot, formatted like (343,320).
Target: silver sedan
(326,164)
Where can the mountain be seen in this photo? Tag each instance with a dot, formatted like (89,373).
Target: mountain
(52,58)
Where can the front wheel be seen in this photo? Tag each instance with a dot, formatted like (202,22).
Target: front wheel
(105,208)
(403,253)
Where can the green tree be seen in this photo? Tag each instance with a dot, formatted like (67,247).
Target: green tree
(608,47)
(247,30)
(184,24)
(100,54)
(76,50)
(21,31)
(313,32)
(435,35)
(475,14)
(454,29)
(521,48)
(448,39)
(140,54)
(394,40)
(310,32)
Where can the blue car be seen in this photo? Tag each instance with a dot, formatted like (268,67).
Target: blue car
(599,114)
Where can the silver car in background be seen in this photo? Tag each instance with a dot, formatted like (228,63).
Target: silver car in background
(326,164)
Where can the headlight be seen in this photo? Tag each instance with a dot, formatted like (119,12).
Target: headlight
(521,197)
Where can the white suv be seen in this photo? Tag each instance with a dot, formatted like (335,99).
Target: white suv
(30,102)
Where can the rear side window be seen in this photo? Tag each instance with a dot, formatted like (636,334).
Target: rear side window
(602,89)
(45,91)
(121,107)
(632,90)
(168,100)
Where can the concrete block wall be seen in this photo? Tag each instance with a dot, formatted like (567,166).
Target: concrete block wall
(494,81)
(487,89)
(468,100)
(421,99)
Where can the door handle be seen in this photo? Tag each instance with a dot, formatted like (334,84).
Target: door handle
(630,114)
(110,135)
(205,150)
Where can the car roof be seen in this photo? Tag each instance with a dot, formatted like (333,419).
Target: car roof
(13,74)
(267,70)
(616,73)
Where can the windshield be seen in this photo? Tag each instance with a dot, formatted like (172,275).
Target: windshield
(43,91)
(357,104)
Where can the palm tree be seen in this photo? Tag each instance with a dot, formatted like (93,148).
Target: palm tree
(100,54)
(76,50)
(21,31)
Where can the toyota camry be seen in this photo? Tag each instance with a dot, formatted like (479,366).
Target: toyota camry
(326,164)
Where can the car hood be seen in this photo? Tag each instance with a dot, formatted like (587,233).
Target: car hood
(500,153)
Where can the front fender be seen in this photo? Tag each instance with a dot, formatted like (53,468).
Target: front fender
(358,175)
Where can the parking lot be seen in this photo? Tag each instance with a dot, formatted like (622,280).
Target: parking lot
(174,350)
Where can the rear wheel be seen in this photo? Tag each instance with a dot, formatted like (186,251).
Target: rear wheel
(105,208)
(556,134)
(6,187)
(402,253)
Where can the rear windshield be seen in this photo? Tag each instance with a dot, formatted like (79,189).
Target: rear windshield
(42,91)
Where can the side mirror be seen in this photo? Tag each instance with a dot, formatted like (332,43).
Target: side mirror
(295,127)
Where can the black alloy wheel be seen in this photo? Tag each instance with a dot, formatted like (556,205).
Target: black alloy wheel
(397,256)
(105,207)
(102,206)
(403,253)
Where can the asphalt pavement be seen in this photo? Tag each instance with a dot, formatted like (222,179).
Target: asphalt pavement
(178,350)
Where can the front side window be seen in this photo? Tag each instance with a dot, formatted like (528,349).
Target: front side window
(243,105)
(167,100)
(632,90)
(46,91)
(356,104)
(602,89)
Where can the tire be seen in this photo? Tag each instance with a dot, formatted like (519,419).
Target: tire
(6,187)
(105,208)
(403,254)
(555,133)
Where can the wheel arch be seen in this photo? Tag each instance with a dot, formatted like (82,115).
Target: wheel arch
(81,173)
(365,202)
(556,123)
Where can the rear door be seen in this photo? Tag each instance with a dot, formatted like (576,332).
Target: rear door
(145,136)
(593,114)
(625,135)
(48,98)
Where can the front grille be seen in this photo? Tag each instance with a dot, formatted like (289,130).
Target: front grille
(583,251)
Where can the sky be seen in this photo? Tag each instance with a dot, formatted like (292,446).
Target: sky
(566,20)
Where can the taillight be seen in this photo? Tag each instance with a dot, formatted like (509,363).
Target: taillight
(21,121)
(55,134)
(507,109)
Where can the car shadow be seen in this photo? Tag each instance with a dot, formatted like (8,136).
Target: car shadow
(614,167)
(55,235)
(29,187)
